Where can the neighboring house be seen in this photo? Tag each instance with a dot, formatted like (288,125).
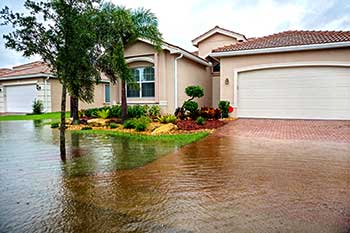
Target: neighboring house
(293,74)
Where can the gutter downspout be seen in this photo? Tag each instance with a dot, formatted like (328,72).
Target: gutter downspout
(175,80)
(45,94)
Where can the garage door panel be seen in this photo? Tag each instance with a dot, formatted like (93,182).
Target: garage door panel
(20,98)
(303,92)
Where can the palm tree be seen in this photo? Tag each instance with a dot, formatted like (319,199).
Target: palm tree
(118,28)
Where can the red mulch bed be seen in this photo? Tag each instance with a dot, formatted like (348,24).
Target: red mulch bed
(192,125)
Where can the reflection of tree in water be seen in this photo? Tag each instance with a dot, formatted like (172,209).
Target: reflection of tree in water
(37,123)
(130,153)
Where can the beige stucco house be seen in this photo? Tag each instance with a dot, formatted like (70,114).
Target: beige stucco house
(293,74)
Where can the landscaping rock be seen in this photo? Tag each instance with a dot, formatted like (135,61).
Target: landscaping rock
(164,129)
(98,122)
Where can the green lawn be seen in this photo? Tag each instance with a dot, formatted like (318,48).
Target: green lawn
(178,139)
(51,115)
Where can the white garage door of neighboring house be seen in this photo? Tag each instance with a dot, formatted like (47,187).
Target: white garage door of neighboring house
(20,98)
(295,93)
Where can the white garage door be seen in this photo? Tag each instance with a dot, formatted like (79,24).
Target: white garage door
(20,98)
(295,93)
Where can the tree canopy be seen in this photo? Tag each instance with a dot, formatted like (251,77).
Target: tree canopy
(119,27)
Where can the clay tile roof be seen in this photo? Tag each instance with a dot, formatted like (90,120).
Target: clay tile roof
(289,38)
(37,67)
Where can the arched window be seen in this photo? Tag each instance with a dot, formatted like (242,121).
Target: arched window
(144,81)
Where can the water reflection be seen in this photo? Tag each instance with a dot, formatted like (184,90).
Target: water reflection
(220,184)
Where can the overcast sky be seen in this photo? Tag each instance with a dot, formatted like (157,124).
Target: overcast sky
(182,20)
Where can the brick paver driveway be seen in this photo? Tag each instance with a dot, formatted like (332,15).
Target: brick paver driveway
(314,130)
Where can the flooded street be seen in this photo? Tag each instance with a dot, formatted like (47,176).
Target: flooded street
(223,183)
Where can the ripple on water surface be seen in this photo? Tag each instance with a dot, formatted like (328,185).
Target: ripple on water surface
(220,184)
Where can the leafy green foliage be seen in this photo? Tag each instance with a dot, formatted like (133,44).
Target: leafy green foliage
(192,108)
(167,119)
(113,125)
(139,124)
(63,34)
(116,111)
(200,120)
(103,113)
(137,111)
(119,27)
(194,92)
(224,105)
(154,111)
(37,106)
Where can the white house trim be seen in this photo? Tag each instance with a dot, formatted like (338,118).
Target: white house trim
(282,49)
(138,59)
(279,65)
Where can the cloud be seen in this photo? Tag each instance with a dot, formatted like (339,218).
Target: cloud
(183,20)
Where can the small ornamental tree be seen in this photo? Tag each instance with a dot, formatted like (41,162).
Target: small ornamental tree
(190,105)
(62,33)
(118,28)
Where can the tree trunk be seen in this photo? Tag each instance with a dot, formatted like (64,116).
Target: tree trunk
(124,104)
(74,110)
(63,124)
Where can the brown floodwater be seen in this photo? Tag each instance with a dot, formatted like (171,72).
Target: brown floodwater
(223,183)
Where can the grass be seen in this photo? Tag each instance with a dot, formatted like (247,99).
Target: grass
(178,139)
(44,116)
(129,151)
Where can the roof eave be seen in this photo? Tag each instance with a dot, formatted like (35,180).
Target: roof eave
(37,75)
(281,49)
(220,31)
(174,49)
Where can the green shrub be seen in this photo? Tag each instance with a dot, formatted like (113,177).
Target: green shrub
(200,120)
(139,124)
(92,112)
(55,125)
(116,111)
(37,106)
(86,128)
(137,111)
(154,111)
(224,105)
(129,124)
(192,108)
(194,91)
(113,125)
(103,113)
(167,119)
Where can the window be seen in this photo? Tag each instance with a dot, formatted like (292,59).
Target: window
(144,81)
(107,93)
(216,68)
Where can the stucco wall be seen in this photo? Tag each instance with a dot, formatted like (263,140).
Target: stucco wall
(139,49)
(231,64)
(192,74)
(98,96)
(215,91)
(215,41)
